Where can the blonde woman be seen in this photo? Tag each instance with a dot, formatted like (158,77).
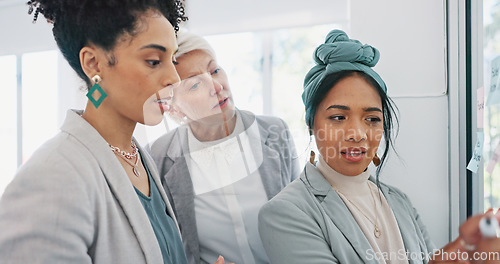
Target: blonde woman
(222,164)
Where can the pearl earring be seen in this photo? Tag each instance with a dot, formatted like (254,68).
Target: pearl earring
(184,120)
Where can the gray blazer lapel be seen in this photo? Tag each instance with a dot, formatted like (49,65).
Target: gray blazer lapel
(119,184)
(270,173)
(178,182)
(179,185)
(407,226)
(125,193)
(337,211)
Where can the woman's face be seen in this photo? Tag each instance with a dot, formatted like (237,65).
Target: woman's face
(203,95)
(348,125)
(142,68)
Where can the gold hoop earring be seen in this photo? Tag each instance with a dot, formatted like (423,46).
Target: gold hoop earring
(312,157)
(376,160)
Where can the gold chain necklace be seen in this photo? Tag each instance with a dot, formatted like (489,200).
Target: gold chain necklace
(128,156)
(376,231)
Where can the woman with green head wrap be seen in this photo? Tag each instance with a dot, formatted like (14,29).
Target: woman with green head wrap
(337,212)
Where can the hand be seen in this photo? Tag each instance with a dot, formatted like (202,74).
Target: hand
(220,260)
(487,249)
(453,252)
(471,246)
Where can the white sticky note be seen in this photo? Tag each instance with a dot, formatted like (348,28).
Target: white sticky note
(478,153)
(493,160)
(480,107)
(494,89)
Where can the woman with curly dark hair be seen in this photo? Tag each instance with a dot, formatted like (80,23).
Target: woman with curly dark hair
(91,194)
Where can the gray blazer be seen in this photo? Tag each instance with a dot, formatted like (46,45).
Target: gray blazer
(309,223)
(279,168)
(72,202)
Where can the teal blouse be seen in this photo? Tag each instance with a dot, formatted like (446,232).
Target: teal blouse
(164,227)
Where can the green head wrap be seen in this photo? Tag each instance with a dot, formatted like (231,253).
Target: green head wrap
(338,53)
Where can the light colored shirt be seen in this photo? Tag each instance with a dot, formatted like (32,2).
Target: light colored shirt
(364,200)
(228,195)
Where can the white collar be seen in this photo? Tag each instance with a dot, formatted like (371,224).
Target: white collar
(352,185)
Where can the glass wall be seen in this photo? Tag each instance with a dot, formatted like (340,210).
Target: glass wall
(491,64)
(29,115)
(240,56)
(8,126)
(39,100)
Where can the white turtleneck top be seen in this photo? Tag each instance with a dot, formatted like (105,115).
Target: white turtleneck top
(360,194)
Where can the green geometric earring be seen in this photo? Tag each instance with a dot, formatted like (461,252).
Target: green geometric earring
(97,87)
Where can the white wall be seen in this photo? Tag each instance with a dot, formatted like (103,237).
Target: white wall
(20,34)
(221,16)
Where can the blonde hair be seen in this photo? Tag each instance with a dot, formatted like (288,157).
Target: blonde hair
(188,42)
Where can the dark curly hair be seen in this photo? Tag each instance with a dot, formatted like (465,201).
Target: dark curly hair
(99,22)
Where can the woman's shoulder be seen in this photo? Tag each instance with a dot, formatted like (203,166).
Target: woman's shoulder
(62,159)
(171,139)
(271,121)
(393,190)
(62,149)
(263,120)
(396,196)
(294,194)
(62,169)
